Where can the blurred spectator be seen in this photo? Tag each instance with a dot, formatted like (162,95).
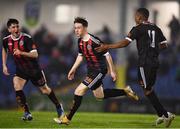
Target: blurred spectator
(174,29)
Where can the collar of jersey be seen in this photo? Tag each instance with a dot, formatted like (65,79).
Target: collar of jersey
(16,38)
(86,38)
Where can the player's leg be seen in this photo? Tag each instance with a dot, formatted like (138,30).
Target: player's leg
(20,96)
(96,86)
(51,95)
(78,95)
(101,93)
(39,80)
(147,77)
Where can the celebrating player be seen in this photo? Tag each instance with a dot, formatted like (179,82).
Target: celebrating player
(150,40)
(25,55)
(96,70)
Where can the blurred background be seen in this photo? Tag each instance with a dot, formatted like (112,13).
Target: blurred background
(50,22)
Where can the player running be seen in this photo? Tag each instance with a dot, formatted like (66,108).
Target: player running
(23,49)
(150,40)
(96,71)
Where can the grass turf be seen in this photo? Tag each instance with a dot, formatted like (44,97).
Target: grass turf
(11,119)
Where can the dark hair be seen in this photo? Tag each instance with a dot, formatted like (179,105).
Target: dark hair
(144,12)
(12,21)
(81,20)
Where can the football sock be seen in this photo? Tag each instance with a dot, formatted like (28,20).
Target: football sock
(54,99)
(157,105)
(76,104)
(21,100)
(108,93)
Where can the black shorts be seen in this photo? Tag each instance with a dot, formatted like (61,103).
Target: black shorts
(94,79)
(37,77)
(147,76)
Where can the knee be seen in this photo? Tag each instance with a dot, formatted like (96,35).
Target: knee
(79,92)
(45,90)
(98,96)
(17,86)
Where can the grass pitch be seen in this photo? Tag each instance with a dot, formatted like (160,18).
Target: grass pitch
(11,119)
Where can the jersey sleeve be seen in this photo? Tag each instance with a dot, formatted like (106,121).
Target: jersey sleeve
(31,45)
(99,42)
(132,34)
(161,37)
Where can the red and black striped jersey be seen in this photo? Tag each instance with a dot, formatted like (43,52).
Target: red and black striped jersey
(24,43)
(95,60)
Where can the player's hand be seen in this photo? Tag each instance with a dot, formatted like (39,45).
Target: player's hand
(71,74)
(5,71)
(113,75)
(101,48)
(17,52)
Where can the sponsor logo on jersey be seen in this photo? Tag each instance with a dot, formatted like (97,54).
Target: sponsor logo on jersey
(21,43)
(89,47)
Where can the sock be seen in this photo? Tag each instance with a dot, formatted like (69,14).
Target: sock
(108,93)
(54,99)
(21,100)
(76,104)
(157,105)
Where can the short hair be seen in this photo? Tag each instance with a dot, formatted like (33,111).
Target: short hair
(12,21)
(81,20)
(144,12)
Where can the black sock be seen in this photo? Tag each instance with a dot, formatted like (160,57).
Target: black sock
(76,104)
(157,105)
(21,100)
(54,99)
(108,93)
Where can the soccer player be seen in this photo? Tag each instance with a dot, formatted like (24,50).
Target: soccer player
(150,40)
(96,70)
(23,49)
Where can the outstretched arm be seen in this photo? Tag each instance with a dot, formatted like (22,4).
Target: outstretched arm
(120,44)
(78,61)
(111,66)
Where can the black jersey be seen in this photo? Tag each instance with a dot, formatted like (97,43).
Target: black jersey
(95,60)
(23,43)
(148,37)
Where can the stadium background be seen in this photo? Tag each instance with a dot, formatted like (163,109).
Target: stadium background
(50,22)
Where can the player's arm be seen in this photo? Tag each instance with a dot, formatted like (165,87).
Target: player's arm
(163,45)
(4,61)
(162,40)
(120,44)
(31,48)
(31,54)
(78,61)
(111,66)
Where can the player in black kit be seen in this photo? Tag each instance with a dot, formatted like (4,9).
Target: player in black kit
(23,49)
(96,70)
(150,40)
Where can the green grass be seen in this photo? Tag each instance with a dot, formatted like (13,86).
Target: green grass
(11,119)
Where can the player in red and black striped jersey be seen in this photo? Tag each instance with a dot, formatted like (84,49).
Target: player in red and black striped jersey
(96,70)
(25,54)
(150,40)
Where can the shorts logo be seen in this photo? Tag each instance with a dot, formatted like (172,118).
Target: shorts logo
(88,80)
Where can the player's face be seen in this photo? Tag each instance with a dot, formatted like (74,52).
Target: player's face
(14,30)
(79,29)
